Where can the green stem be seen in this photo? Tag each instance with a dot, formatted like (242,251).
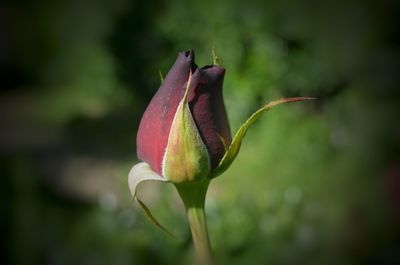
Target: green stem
(193,196)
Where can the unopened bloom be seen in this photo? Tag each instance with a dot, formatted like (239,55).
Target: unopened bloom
(184,136)
(184,130)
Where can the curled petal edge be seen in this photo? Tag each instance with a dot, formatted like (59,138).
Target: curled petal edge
(233,149)
(140,173)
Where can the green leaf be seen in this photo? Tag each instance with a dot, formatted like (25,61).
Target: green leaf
(234,147)
(140,173)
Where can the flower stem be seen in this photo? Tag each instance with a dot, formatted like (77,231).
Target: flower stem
(193,196)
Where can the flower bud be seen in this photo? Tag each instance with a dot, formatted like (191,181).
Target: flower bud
(184,135)
(184,130)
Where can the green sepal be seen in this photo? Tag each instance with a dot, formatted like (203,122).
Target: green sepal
(161,75)
(140,173)
(152,219)
(216,60)
(186,158)
(234,147)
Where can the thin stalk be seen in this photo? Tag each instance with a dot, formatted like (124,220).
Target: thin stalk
(193,196)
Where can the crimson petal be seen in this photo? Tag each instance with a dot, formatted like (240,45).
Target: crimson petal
(208,110)
(152,136)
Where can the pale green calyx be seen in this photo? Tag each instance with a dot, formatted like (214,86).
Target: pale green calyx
(186,158)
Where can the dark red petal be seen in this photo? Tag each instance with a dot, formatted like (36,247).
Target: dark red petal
(152,136)
(207,106)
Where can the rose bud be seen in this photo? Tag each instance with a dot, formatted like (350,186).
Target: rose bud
(184,130)
(184,137)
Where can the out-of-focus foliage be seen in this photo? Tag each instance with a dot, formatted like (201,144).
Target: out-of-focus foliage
(315,182)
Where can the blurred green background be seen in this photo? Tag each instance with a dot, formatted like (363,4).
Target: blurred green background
(315,182)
